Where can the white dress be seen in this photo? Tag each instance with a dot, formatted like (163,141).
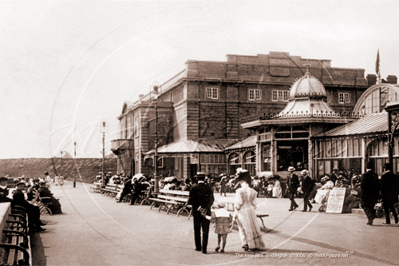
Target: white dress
(277,191)
(322,192)
(248,224)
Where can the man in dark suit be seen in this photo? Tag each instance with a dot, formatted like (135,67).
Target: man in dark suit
(201,196)
(33,211)
(389,193)
(293,184)
(307,187)
(370,186)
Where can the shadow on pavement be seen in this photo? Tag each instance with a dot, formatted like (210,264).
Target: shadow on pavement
(38,257)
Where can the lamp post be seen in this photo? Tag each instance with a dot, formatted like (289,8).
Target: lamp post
(103,129)
(62,152)
(76,170)
(155,92)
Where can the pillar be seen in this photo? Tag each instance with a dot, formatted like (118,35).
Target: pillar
(273,152)
(310,157)
(364,155)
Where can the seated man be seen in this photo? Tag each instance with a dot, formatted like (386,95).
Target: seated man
(137,189)
(3,190)
(33,211)
(127,188)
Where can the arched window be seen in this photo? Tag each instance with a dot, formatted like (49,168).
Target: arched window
(375,99)
(234,162)
(250,162)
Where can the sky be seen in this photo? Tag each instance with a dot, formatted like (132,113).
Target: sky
(67,65)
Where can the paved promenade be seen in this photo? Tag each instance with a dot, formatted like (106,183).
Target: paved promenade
(94,230)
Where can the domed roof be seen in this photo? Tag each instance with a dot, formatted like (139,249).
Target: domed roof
(307,96)
(307,86)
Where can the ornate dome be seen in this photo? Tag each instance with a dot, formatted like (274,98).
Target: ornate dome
(307,96)
(307,86)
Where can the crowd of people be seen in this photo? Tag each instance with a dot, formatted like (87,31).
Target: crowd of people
(360,190)
(27,192)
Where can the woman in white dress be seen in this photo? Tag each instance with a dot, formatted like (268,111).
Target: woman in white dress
(248,224)
(322,192)
(277,190)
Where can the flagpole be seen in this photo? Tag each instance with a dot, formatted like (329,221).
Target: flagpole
(377,67)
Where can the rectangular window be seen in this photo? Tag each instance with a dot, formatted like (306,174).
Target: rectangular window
(347,98)
(350,147)
(333,148)
(344,97)
(212,93)
(254,94)
(280,95)
(257,94)
(356,147)
(285,95)
(345,148)
(274,96)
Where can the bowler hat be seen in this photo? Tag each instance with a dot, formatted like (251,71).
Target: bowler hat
(46,173)
(3,178)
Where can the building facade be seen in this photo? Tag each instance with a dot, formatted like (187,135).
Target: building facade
(199,112)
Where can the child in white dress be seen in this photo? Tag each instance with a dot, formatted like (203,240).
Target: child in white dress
(222,220)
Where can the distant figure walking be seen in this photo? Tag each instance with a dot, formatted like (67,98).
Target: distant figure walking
(223,182)
(48,180)
(277,191)
(201,199)
(293,184)
(307,187)
(389,193)
(370,192)
(248,225)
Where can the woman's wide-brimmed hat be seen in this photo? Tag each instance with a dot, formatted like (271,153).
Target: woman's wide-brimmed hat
(221,204)
(303,172)
(325,179)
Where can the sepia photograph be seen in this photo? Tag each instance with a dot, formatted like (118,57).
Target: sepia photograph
(194,132)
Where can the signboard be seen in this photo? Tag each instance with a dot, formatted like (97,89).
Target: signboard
(336,200)
(194,158)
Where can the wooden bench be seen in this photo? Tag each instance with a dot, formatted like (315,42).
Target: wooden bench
(96,188)
(17,241)
(145,197)
(230,208)
(164,202)
(111,190)
(172,199)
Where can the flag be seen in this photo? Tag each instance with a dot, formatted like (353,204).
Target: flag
(377,63)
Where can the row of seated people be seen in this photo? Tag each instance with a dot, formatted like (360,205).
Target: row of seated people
(136,187)
(18,198)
